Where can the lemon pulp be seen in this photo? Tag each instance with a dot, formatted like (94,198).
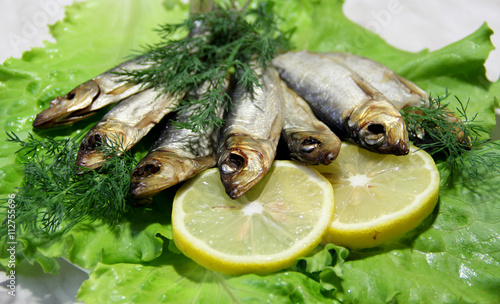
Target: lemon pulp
(379,197)
(281,218)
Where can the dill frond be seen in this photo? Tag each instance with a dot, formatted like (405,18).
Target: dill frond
(221,42)
(457,144)
(56,194)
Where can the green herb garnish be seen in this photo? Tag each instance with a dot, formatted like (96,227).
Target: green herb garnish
(454,142)
(220,43)
(56,194)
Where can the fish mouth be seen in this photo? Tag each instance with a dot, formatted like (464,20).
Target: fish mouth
(149,178)
(89,155)
(313,149)
(93,149)
(235,176)
(73,106)
(91,160)
(386,138)
(242,164)
(143,190)
(373,134)
(378,126)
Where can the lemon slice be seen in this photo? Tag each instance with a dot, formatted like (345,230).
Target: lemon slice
(283,217)
(379,197)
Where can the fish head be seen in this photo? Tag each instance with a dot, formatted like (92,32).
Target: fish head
(62,109)
(161,169)
(154,173)
(313,147)
(92,151)
(378,126)
(242,162)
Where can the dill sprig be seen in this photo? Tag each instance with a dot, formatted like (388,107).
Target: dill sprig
(56,194)
(220,43)
(457,143)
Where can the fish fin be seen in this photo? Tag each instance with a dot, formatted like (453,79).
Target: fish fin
(120,90)
(149,120)
(414,89)
(156,116)
(367,87)
(205,162)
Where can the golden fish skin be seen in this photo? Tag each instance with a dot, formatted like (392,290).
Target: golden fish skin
(84,100)
(308,139)
(124,125)
(344,101)
(250,136)
(177,155)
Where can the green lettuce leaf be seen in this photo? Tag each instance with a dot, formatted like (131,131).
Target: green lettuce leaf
(138,239)
(325,266)
(452,257)
(84,49)
(173,278)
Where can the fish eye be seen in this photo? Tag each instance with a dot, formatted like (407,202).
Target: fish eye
(237,160)
(95,141)
(310,141)
(151,169)
(233,163)
(376,129)
(70,95)
(309,144)
(146,170)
